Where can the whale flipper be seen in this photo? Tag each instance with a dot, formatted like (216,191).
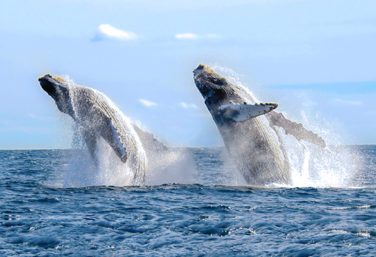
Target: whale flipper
(114,139)
(243,112)
(295,129)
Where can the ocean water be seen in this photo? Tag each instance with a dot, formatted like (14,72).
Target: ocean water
(210,217)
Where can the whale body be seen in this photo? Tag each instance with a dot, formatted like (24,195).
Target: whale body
(97,117)
(249,129)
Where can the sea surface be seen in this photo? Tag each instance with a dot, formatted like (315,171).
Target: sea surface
(205,218)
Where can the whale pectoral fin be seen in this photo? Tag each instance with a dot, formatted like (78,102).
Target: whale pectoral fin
(295,129)
(243,112)
(112,137)
(91,143)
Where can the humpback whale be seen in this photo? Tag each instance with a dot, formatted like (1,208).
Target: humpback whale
(98,118)
(249,129)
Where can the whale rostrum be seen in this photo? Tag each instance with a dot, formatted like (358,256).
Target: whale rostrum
(248,128)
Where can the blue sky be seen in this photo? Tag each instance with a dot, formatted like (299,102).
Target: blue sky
(315,58)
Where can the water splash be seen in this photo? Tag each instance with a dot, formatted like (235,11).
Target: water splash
(310,165)
(173,166)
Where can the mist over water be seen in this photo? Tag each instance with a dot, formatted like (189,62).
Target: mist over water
(176,166)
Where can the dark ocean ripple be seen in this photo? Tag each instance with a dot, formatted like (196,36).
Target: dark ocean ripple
(185,220)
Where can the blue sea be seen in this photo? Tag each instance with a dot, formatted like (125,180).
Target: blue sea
(205,218)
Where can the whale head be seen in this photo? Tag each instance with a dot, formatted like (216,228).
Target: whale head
(58,89)
(215,89)
(226,101)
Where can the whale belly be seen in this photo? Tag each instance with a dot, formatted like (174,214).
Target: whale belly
(255,149)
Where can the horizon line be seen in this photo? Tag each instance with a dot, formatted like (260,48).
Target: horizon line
(219,146)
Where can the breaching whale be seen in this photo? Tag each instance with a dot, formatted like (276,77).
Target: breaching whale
(249,129)
(98,118)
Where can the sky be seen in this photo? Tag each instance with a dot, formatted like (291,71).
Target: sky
(315,58)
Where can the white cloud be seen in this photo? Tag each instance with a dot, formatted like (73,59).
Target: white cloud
(186,36)
(108,31)
(187,105)
(347,102)
(147,103)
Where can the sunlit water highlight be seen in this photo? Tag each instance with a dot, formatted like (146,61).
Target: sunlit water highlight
(205,218)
